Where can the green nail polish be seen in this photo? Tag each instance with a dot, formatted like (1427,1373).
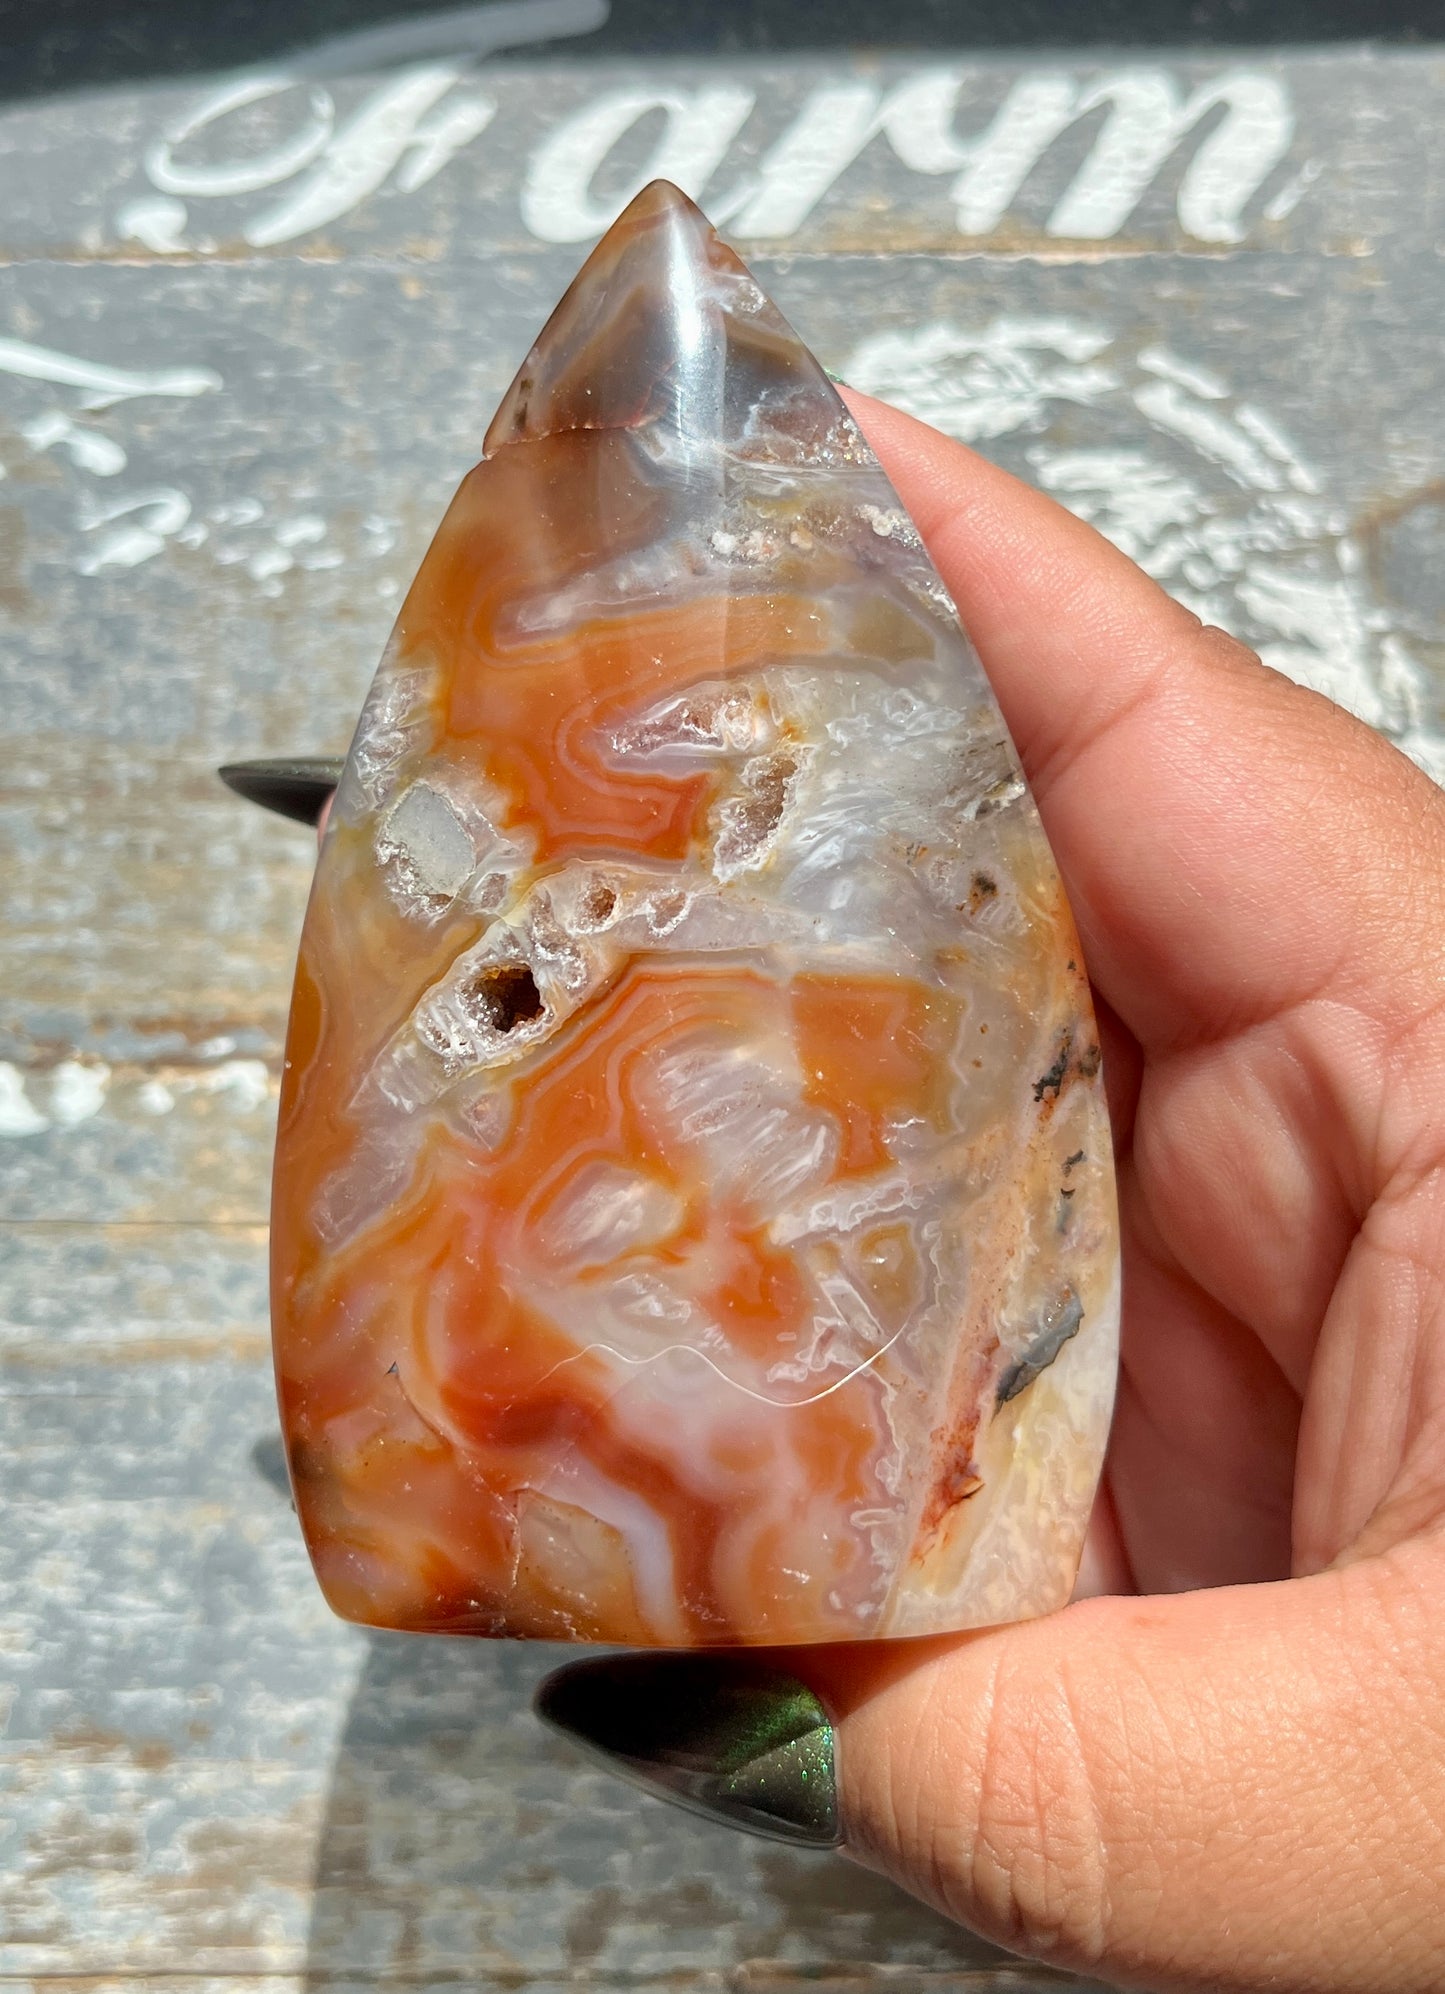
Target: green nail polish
(295,786)
(720,1735)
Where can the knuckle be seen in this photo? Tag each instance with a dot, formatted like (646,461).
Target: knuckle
(983,1801)
(1038,1854)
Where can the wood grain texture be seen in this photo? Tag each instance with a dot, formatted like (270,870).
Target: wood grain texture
(225,447)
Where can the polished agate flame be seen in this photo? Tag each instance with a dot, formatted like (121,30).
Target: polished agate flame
(694,1214)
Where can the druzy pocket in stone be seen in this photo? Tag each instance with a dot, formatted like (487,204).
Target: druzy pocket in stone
(694,1214)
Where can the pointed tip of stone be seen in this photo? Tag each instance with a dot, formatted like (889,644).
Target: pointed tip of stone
(661,201)
(663,324)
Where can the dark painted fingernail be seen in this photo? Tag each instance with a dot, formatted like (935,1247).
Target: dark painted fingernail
(720,1735)
(291,785)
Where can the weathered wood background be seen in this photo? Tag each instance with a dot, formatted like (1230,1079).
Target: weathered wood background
(251,328)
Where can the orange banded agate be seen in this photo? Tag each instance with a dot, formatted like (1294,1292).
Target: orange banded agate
(694,1215)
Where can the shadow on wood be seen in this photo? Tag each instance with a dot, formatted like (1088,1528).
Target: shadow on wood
(462,1844)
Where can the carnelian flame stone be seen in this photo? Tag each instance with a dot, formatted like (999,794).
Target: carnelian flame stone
(694,1216)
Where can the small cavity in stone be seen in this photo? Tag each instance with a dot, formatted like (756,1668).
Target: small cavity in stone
(750,821)
(597,904)
(504,996)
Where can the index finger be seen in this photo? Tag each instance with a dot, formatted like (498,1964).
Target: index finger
(1212,819)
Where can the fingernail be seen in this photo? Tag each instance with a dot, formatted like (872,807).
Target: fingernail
(719,1735)
(293,786)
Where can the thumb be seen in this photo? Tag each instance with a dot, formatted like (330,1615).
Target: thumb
(1215,1791)
(1233,1789)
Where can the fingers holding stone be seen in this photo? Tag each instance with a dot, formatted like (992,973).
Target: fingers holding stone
(1156,1791)
(1199,1793)
(1072,633)
(1233,843)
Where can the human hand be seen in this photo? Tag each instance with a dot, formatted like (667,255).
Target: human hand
(1228,1774)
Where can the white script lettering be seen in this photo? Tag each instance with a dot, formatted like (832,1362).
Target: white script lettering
(1230,132)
